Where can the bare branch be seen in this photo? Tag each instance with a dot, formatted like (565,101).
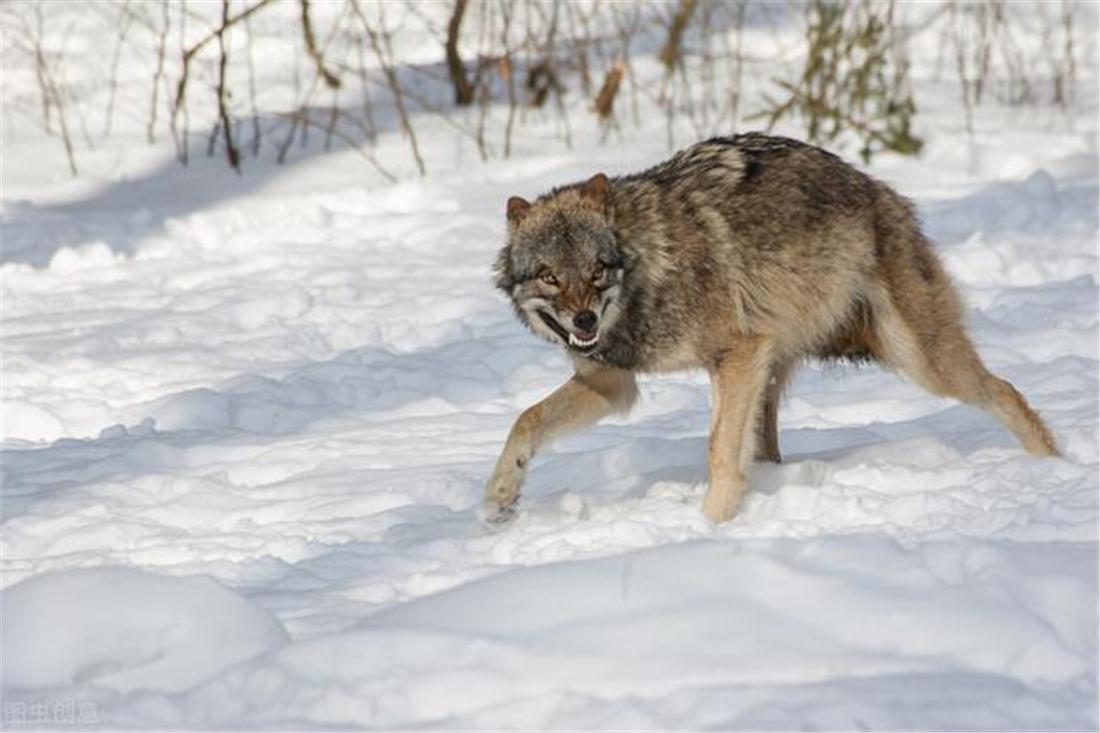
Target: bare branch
(181,89)
(605,100)
(384,54)
(162,42)
(125,18)
(301,116)
(231,153)
(670,53)
(331,79)
(50,91)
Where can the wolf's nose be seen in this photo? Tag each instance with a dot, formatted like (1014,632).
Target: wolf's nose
(585,321)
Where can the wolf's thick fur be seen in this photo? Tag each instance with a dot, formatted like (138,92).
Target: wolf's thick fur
(744,256)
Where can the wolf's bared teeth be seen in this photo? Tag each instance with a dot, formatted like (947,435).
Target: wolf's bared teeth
(573,340)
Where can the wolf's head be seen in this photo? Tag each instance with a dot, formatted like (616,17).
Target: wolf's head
(562,266)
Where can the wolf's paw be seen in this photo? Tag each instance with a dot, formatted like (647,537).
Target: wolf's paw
(497,517)
(502,494)
(721,504)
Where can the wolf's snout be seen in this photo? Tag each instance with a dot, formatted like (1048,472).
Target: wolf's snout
(585,321)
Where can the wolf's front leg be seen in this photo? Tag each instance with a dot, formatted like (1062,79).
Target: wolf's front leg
(738,382)
(592,393)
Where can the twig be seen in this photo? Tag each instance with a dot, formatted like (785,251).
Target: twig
(162,42)
(181,140)
(331,79)
(40,71)
(125,18)
(368,109)
(384,56)
(508,73)
(181,89)
(231,153)
(257,131)
(51,92)
(301,116)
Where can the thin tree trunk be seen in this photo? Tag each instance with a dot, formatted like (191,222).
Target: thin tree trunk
(162,43)
(508,72)
(125,18)
(464,90)
(231,153)
(257,131)
(670,54)
(188,54)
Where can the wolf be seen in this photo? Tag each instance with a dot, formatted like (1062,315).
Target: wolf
(744,256)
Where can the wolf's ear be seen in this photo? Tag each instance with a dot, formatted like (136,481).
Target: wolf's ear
(597,191)
(517,209)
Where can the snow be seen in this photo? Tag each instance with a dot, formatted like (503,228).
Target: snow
(722,620)
(246,423)
(130,630)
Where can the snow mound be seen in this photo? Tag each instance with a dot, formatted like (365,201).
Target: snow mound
(750,635)
(126,629)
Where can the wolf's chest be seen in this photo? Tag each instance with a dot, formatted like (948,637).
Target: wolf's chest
(644,352)
(672,357)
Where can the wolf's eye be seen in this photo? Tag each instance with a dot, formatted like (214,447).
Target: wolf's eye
(597,274)
(548,278)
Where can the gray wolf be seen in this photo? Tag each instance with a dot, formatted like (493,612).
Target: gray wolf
(743,256)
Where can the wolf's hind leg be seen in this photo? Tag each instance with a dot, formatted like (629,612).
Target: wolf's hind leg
(946,363)
(738,383)
(767,432)
(592,393)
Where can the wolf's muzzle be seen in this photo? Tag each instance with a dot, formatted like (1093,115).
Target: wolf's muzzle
(585,343)
(585,321)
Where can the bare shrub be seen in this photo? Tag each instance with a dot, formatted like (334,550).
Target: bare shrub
(532,62)
(854,79)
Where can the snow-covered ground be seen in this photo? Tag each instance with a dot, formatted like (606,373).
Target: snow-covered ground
(247,422)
